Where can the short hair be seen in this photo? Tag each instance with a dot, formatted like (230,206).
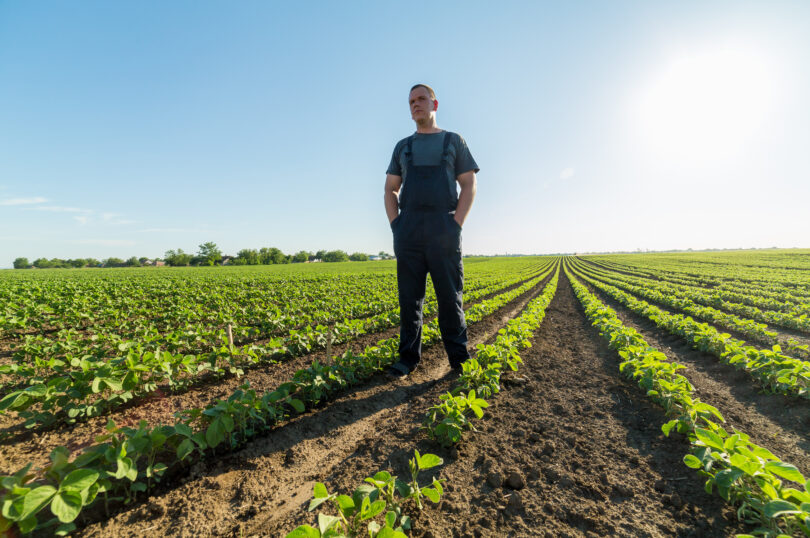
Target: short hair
(425,86)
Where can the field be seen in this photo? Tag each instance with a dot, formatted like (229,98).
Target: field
(615,395)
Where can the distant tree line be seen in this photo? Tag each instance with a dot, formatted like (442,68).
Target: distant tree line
(207,255)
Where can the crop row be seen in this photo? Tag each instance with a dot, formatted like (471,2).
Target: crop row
(127,461)
(786,272)
(791,313)
(40,351)
(171,299)
(746,475)
(480,376)
(772,368)
(684,303)
(93,387)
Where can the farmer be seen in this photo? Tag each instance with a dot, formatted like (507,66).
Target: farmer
(426,213)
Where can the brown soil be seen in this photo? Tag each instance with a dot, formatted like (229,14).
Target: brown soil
(585,443)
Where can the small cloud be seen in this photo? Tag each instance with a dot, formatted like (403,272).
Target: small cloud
(105,242)
(61,209)
(23,201)
(81,220)
(110,216)
(567,173)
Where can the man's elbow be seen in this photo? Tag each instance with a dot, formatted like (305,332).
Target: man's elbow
(468,181)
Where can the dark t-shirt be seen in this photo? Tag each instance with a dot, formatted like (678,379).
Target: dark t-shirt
(427,151)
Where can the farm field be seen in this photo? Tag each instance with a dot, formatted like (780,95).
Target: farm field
(211,401)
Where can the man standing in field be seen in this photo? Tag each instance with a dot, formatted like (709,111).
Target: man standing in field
(426,213)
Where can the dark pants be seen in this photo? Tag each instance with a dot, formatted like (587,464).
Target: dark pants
(429,242)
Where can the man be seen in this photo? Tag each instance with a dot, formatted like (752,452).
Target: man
(427,213)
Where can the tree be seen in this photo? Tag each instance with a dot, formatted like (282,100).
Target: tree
(359,257)
(133,262)
(335,256)
(42,263)
(92,262)
(384,255)
(78,263)
(143,260)
(210,253)
(21,263)
(177,258)
(269,256)
(113,262)
(247,256)
(320,255)
(301,256)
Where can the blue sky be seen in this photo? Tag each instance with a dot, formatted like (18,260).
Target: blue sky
(131,128)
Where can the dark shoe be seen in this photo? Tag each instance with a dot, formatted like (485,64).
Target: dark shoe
(398,370)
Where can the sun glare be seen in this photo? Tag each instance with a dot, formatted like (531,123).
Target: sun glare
(707,106)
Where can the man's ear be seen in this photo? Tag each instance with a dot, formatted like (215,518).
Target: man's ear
(435,104)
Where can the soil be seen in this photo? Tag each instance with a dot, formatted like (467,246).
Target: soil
(567,448)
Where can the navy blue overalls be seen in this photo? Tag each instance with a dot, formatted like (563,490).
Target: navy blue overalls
(428,240)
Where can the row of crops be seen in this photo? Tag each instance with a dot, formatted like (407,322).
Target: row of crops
(78,345)
(769,493)
(118,352)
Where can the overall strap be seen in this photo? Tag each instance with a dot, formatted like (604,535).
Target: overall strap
(409,152)
(446,143)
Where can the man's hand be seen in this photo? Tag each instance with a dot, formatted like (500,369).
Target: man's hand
(391,197)
(466,196)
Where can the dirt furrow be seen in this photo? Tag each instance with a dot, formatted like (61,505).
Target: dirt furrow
(779,423)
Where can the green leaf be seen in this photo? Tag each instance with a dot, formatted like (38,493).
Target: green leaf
(390,519)
(35,500)
(709,438)
(183,429)
(428,461)
(66,505)
(14,400)
(780,508)
(184,449)
(304,531)
(123,465)
(215,434)
(346,504)
(326,522)
(79,480)
(319,491)
(27,525)
(431,494)
(692,461)
(298,405)
(785,470)
(374,509)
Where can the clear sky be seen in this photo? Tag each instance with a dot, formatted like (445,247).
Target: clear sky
(132,128)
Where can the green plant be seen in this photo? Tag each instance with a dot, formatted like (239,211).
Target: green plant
(381,495)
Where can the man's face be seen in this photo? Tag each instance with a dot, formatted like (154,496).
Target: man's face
(422,106)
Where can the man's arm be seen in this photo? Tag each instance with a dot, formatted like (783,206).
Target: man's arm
(465,196)
(392,186)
